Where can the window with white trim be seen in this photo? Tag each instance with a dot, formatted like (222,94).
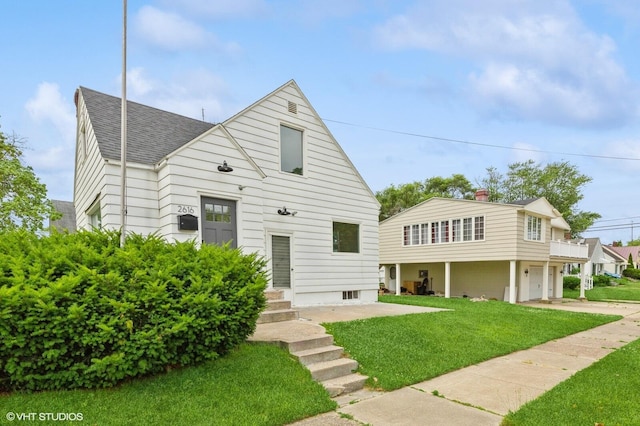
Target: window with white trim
(415,235)
(478,228)
(291,160)
(435,232)
(95,216)
(467,229)
(456,230)
(424,233)
(444,231)
(533,228)
(346,237)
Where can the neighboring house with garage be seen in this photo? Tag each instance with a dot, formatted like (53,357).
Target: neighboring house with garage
(474,248)
(270,180)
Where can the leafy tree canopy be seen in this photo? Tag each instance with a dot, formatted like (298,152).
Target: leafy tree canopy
(395,199)
(635,242)
(23,198)
(561,183)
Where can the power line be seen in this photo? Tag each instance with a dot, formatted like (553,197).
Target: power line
(613,220)
(418,135)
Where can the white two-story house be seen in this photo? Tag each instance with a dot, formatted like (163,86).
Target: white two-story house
(474,248)
(270,180)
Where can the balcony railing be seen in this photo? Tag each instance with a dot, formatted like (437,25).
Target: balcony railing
(569,249)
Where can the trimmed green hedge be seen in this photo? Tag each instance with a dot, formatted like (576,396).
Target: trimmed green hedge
(631,273)
(570,282)
(601,281)
(77,311)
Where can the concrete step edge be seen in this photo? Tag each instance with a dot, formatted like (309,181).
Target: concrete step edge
(320,354)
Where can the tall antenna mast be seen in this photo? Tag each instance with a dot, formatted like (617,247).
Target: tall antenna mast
(123,134)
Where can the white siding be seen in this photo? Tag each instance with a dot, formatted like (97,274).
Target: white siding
(89,170)
(330,190)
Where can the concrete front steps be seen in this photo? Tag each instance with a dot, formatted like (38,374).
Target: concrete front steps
(327,364)
(310,344)
(277,309)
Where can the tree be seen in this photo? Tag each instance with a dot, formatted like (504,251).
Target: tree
(630,262)
(561,183)
(23,198)
(395,199)
(635,242)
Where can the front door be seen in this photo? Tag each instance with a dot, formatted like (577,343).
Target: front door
(219,221)
(535,282)
(281,261)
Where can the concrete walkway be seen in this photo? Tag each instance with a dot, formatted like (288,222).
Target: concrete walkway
(480,394)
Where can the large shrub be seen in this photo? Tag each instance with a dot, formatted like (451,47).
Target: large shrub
(570,282)
(77,311)
(601,280)
(631,273)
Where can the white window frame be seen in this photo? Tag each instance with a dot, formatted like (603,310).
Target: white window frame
(475,228)
(346,253)
(94,215)
(303,149)
(533,228)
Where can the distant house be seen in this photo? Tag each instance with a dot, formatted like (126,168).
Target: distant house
(68,220)
(596,262)
(614,262)
(270,180)
(457,248)
(634,251)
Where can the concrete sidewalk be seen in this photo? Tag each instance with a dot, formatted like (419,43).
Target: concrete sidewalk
(482,394)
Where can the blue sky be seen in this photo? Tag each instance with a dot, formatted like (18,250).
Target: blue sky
(559,78)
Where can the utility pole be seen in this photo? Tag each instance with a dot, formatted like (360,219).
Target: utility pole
(123,133)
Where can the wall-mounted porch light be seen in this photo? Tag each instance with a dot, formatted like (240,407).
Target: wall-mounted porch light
(284,212)
(526,272)
(225,167)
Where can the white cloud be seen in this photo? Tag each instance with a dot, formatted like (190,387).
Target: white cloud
(172,32)
(48,105)
(187,93)
(51,145)
(533,60)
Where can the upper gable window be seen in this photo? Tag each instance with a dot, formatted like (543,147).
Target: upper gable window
(291,160)
(534,228)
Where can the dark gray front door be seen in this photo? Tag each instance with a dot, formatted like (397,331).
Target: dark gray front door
(219,221)
(281,260)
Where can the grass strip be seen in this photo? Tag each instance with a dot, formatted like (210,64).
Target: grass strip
(605,393)
(403,350)
(625,290)
(256,384)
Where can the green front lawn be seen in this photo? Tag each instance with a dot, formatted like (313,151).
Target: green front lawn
(605,393)
(256,384)
(403,350)
(626,289)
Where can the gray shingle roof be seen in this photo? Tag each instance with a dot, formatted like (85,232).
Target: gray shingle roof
(151,132)
(68,219)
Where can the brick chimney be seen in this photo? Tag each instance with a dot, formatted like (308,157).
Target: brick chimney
(482,195)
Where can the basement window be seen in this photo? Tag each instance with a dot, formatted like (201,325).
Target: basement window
(350,294)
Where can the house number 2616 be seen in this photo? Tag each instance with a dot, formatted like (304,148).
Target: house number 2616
(186,209)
